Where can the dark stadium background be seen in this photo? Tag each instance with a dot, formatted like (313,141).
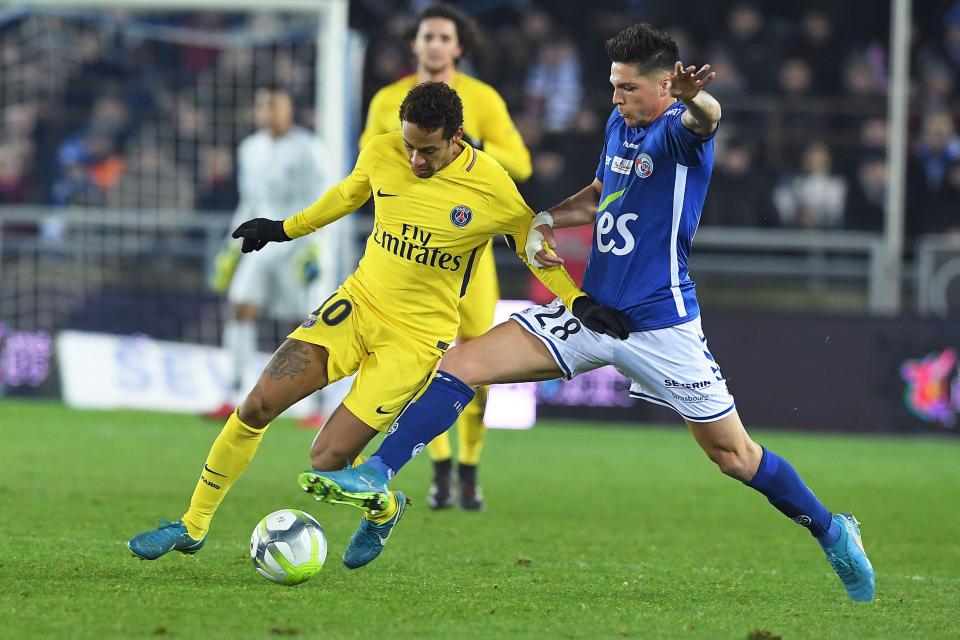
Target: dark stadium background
(804,93)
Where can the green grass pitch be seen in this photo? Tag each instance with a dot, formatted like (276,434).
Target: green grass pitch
(591,532)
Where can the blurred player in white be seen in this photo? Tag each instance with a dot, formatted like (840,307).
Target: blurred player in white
(280,170)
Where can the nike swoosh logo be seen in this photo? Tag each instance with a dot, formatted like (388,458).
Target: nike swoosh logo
(382,412)
(213,472)
(383,539)
(386,195)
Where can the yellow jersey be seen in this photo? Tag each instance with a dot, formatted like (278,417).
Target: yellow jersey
(485,118)
(428,233)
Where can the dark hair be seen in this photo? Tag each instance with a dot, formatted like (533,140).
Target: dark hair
(467,32)
(433,105)
(643,45)
(275,87)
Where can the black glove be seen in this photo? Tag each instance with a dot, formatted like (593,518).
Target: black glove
(476,143)
(258,232)
(600,318)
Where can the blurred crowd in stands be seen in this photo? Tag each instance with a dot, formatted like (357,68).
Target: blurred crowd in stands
(803,87)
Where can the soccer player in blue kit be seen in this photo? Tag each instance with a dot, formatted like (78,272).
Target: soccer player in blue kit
(645,201)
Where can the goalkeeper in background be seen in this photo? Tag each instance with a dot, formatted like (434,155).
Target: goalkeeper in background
(439,36)
(279,169)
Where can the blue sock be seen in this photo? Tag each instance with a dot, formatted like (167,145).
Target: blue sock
(423,420)
(779,481)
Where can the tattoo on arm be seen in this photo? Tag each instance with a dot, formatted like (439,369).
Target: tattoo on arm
(289,361)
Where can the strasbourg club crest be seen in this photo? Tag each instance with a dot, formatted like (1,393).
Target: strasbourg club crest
(461,215)
(643,165)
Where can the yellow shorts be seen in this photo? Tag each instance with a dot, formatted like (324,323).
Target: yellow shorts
(393,366)
(477,307)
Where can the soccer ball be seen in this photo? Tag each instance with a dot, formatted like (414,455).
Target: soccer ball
(288,546)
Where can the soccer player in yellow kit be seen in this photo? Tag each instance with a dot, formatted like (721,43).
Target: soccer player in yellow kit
(390,321)
(443,34)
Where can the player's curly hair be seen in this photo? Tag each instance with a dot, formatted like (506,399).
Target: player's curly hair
(645,46)
(431,106)
(467,31)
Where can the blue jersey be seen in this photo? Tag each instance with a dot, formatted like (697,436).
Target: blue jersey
(654,182)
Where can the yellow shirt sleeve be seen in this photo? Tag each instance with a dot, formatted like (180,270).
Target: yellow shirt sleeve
(514,217)
(502,140)
(339,200)
(375,117)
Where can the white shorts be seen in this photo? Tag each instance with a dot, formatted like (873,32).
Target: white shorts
(269,280)
(671,366)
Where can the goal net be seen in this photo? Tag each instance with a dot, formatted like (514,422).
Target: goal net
(118,138)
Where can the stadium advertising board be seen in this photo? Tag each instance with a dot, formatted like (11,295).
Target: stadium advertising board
(805,372)
(104,371)
(25,359)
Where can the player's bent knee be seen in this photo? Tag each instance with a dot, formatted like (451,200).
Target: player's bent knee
(734,463)
(462,367)
(255,411)
(329,458)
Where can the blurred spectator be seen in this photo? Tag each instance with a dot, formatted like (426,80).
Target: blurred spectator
(553,89)
(152,181)
(795,78)
(937,87)
(941,214)
(13,189)
(739,194)
(753,51)
(866,199)
(218,184)
(817,45)
(89,166)
(729,82)
(815,198)
(938,147)
(862,78)
(951,36)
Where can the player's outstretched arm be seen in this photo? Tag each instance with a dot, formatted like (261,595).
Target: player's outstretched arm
(340,199)
(502,140)
(703,110)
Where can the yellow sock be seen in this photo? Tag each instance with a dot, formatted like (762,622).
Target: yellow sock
(471,429)
(439,448)
(229,456)
(382,516)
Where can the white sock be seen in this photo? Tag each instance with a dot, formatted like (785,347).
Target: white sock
(240,340)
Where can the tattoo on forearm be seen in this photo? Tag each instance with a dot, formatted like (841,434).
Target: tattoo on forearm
(289,361)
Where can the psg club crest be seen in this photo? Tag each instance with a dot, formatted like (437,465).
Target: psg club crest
(461,215)
(643,165)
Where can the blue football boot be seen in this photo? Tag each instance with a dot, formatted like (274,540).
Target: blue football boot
(363,486)
(170,536)
(368,540)
(850,561)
